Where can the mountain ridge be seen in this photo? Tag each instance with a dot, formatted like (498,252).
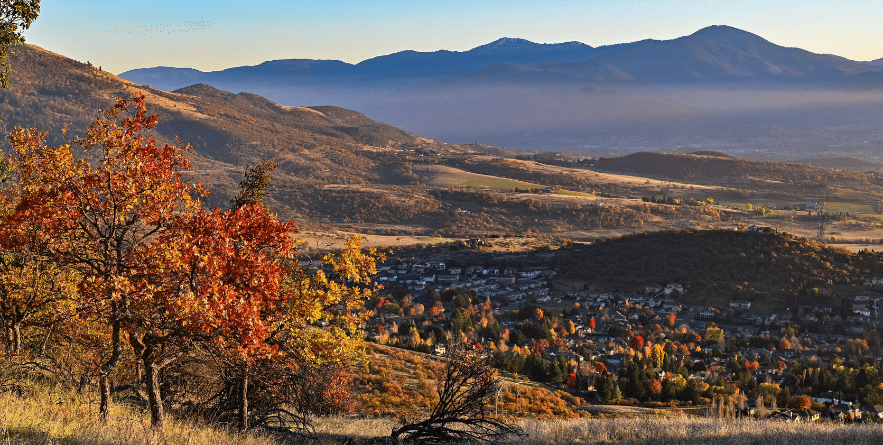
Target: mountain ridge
(718,53)
(724,53)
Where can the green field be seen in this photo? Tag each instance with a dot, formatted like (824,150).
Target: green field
(837,206)
(497,183)
(573,193)
(429,239)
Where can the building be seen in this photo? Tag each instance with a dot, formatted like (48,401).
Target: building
(740,304)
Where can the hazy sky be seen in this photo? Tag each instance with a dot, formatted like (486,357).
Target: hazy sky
(216,34)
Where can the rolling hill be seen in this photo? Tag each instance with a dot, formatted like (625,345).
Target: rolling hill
(720,170)
(314,146)
(339,168)
(845,163)
(716,266)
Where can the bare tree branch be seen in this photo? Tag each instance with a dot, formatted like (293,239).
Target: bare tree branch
(462,413)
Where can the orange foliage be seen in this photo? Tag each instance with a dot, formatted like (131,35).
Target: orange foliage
(802,403)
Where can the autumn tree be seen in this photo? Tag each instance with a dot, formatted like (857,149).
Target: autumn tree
(670,320)
(657,355)
(159,272)
(802,403)
(35,291)
(34,294)
(211,275)
(103,208)
(655,388)
(233,277)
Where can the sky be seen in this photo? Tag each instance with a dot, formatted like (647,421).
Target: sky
(211,35)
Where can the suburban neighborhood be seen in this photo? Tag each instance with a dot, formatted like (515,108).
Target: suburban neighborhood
(796,364)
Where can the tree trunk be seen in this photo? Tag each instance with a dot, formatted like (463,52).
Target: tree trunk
(154,398)
(16,338)
(107,367)
(243,401)
(104,391)
(9,338)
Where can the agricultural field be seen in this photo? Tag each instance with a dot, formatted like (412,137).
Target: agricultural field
(443,176)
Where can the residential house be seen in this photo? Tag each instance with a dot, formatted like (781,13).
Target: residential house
(448,278)
(843,412)
(706,313)
(740,304)
(873,411)
(672,288)
(809,416)
(784,416)
(672,308)
(474,270)
(750,317)
(783,318)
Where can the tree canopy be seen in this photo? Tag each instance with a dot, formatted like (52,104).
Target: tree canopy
(15,17)
(108,229)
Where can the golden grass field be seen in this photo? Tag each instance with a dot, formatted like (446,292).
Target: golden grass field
(71,421)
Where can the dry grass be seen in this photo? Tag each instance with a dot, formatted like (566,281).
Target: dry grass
(677,430)
(694,430)
(444,176)
(71,421)
(334,430)
(68,421)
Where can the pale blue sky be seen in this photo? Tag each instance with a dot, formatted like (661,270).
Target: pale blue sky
(217,34)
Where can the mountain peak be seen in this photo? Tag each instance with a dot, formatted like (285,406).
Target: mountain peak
(506,44)
(510,41)
(724,31)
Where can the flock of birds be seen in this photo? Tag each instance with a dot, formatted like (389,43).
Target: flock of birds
(191,25)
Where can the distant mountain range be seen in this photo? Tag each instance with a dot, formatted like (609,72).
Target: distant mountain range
(715,53)
(743,93)
(407,67)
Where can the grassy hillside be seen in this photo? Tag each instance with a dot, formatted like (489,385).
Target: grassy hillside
(43,420)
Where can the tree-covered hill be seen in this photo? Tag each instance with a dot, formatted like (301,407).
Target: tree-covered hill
(713,168)
(717,265)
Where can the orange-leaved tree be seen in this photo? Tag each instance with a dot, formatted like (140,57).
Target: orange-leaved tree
(102,209)
(154,269)
(210,276)
(802,403)
(35,291)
